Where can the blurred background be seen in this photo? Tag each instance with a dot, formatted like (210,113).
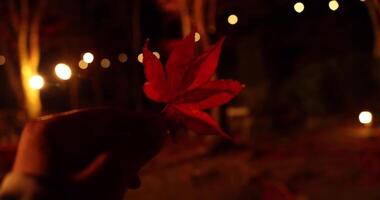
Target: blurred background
(305,127)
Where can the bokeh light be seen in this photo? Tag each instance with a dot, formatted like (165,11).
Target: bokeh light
(157,54)
(105,63)
(365,117)
(333,5)
(63,71)
(82,64)
(88,57)
(299,7)
(197,37)
(36,82)
(123,57)
(140,58)
(232,19)
(2,60)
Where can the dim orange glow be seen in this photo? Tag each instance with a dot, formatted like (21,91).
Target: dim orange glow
(82,64)
(123,57)
(2,60)
(105,63)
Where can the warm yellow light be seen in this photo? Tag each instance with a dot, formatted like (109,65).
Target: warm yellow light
(157,54)
(140,58)
(123,57)
(197,37)
(333,5)
(82,64)
(233,19)
(299,7)
(2,60)
(63,71)
(365,117)
(362,0)
(88,57)
(36,82)
(105,63)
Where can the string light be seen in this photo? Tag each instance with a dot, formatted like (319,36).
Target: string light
(82,64)
(157,54)
(365,117)
(123,57)
(140,57)
(333,5)
(197,37)
(299,7)
(232,19)
(105,63)
(63,71)
(36,82)
(88,57)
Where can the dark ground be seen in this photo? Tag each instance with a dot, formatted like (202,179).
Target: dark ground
(339,162)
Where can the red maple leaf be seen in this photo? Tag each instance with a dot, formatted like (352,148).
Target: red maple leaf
(186,87)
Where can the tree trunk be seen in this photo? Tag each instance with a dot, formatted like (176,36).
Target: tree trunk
(374,13)
(29,55)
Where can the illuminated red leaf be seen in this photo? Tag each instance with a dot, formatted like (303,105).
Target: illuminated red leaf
(179,61)
(186,87)
(197,121)
(156,87)
(204,67)
(211,94)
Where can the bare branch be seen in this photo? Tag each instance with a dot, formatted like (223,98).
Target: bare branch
(13,13)
(185,16)
(200,22)
(34,37)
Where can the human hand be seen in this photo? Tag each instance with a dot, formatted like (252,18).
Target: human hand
(84,154)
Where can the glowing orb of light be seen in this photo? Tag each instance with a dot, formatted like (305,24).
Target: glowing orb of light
(299,7)
(197,37)
(88,57)
(82,64)
(157,54)
(365,117)
(232,19)
(123,57)
(105,63)
(333,5)
(63,71)
(140,58)
(36,82)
